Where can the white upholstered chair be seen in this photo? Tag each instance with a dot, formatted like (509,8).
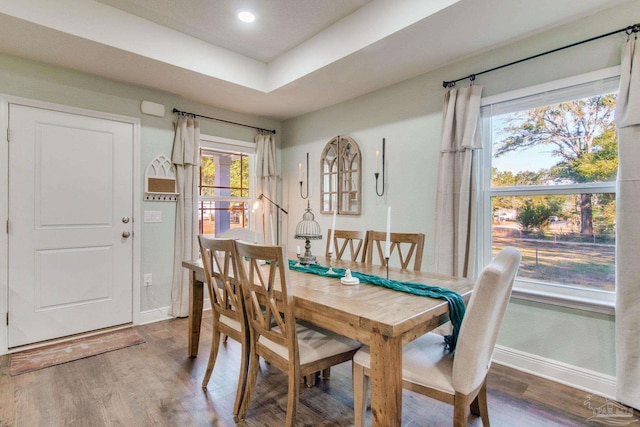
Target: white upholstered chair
(295,349)
(459,378)
(243,234)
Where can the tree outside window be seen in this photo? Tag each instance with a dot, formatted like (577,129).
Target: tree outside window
(552,190)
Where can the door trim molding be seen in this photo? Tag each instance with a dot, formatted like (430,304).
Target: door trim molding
(5,100)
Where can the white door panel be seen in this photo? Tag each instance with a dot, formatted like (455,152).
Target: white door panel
(70,185)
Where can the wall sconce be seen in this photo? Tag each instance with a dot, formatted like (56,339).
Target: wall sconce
(377,174)
(300,177)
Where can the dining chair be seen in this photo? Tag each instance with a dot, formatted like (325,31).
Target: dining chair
(457,378)
(353,239)
(229,318)
(408,246)
(295,349)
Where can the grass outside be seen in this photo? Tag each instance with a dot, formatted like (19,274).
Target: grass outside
(573,264)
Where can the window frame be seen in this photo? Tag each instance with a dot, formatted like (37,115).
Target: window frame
(556,294)
(216,143)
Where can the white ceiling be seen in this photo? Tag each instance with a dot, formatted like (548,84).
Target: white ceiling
(299,55)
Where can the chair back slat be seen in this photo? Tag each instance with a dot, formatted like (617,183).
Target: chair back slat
(483,319)
(221,275)
(266,289)
(343,239)
(408,247)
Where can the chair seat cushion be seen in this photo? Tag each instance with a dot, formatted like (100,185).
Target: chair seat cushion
(232,323)
(313,344)
(424,361)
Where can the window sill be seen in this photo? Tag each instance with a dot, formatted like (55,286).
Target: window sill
(565,296)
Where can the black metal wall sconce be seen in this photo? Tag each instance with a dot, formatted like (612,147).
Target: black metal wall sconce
(377,174)
(300,177)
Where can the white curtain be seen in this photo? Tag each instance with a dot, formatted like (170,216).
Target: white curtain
(267,173)
(456,197)
(628,232)
(186,158)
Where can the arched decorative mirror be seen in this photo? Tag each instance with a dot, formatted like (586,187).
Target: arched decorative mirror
(341,177)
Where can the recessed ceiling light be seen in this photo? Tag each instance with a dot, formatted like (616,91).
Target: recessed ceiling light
(246,16)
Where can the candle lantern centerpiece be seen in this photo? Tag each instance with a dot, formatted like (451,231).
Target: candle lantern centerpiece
(308,229)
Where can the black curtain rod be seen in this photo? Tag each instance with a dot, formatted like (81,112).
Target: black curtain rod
(629,30)
(185,113)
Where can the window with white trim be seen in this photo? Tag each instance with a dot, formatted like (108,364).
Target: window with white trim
(549,172)
(224,185)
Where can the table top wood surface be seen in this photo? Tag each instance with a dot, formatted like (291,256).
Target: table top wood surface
(365,308)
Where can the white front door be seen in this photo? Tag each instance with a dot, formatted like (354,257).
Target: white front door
(70,264)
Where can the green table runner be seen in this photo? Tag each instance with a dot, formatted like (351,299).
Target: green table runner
(456,304)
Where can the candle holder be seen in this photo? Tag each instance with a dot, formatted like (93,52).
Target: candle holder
(301,195)
(330,270)
(376,174)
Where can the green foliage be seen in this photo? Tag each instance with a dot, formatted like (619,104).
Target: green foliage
(533,216)
(581,133)
(238,177)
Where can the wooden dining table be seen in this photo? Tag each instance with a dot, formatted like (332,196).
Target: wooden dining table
(381,318)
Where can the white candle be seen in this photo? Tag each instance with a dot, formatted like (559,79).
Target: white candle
(388,241)
(333,228)
(300,172)
(377,160)
(298,249)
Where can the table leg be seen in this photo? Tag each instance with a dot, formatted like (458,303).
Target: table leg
(386,380)
(196,298)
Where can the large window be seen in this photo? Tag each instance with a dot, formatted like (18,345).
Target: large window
(224,186)
(549,184)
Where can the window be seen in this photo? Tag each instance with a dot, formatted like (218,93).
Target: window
(224,185)
(549,185)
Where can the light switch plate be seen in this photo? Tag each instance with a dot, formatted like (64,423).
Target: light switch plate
(152,216)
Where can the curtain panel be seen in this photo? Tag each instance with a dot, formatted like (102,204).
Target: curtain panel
(627,231)
(186,158)
(457,187)
(267,173)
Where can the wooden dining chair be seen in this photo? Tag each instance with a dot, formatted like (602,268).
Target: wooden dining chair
(229,317)
(295,349)
(407,246)
(428,369)
(343,239)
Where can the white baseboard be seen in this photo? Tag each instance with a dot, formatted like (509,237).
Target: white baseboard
(573,376)
(159,314)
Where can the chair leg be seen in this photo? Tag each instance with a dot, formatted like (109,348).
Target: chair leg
(460,410)
(360,387)
(215,345)
(311,380)
(292,398)
(479,405)
(242,378)
(326,373)
(254,366)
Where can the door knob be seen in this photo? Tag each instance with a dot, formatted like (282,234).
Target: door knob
(126,234)
(125,219)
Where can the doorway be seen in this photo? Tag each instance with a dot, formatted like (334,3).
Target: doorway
(70,231)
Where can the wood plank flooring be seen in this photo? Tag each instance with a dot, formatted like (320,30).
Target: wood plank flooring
(156,384)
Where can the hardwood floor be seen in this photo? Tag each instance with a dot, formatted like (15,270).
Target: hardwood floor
(156,384)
